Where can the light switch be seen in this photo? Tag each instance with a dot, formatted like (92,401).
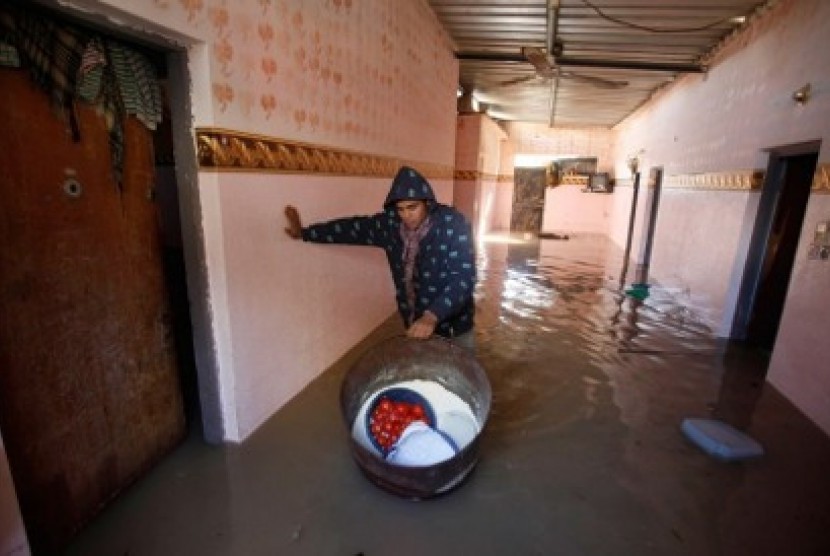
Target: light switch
(820,247)
(821,236)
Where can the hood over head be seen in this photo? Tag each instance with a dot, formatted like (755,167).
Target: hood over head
(409,184)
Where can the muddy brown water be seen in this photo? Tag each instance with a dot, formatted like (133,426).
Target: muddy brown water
(582,454)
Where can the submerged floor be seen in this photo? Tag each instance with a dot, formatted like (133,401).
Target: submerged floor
(582,454)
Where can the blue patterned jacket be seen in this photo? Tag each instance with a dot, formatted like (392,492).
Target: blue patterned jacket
(445,272)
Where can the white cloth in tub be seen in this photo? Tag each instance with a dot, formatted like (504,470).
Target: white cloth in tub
(420,445)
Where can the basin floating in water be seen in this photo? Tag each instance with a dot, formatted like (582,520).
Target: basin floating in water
(431,367)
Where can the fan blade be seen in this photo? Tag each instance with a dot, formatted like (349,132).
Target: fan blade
(517,80)
(593,80)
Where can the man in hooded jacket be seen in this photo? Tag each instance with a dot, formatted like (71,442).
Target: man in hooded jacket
(429,247)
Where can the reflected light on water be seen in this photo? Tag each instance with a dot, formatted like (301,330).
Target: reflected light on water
(506,238)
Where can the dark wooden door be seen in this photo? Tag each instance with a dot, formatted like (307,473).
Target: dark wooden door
(89,392)
(528,199)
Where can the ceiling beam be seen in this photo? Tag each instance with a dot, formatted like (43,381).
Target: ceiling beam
(632,65)
(674,67)
(491,56)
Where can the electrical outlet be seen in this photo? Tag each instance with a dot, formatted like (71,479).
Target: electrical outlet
(820,247)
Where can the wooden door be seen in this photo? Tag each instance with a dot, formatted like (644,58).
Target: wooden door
(528,200)
(89,392)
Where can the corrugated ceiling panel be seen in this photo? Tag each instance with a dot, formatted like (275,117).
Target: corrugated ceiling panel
(638,32)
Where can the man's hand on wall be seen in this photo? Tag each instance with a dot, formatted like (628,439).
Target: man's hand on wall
(295,227)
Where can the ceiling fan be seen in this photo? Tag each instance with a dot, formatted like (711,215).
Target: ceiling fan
(547,69)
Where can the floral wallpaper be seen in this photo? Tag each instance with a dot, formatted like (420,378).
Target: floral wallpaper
(371,75)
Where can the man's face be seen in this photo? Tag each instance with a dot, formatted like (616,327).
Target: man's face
(412,212)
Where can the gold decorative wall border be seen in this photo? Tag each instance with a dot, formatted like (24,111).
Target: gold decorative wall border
(821,180)
(580,181)
(574,179)
(739,180)
(233,151)
(475,175)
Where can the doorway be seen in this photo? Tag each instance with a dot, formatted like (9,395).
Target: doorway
(528,199)
(774,242)
(90,394)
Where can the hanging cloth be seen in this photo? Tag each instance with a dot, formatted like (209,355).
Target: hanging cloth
(9,57)
(91,72)
(68,63)
(137,84)
(50,52)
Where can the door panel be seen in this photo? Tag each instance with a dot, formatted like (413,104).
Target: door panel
(528,199)
(89,392)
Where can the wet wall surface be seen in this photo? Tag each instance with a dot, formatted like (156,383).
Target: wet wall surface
(582,453)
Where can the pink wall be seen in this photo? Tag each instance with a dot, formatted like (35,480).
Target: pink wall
(698,232)
(479,193)
(465,199)
(495,203)
(491,189)
(528,138)
(373,75)
(620,216)
(722,122)
(467,166)
(799,366)
(568,209)
(295,306)
(502,196)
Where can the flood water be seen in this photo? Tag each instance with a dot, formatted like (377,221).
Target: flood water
(582,453)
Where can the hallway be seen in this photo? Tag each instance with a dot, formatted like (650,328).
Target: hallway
(582,455)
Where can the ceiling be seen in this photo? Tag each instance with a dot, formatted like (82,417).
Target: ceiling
(580,62)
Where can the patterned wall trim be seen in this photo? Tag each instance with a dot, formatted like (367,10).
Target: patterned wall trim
(466,175)
(574,179)
(580,181)
(475,175)
(233,151)
(740,180)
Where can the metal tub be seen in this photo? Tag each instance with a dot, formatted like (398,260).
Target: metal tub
(400,359)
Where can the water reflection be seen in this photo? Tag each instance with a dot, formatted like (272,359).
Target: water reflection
(540,286)
(577,360)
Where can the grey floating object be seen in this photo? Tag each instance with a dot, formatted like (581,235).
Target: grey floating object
(721,440)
